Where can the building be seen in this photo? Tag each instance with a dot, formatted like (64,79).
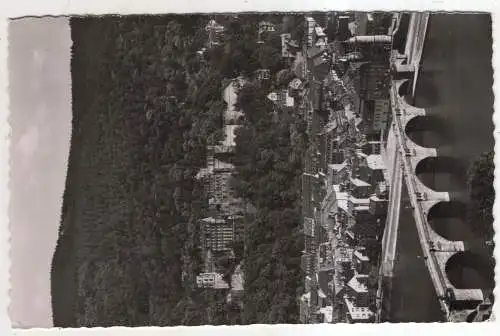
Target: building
(357,290)
(209,261)
(211,280)
(355,314)
(375,115)
(288,47)
(359,188)
(216,234)
(309,31)
(371,168)
(373,48)
(369,80)
(333,152)
(361,262)
(308,260)
(378,206)
(262,74)
(266,26)
(309,227)
(337,173)
(282,98)
(215,33)
(238,224)
(381,114)
(372,147)
(319,37)
(343,31)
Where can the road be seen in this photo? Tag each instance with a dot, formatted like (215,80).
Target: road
(390,239)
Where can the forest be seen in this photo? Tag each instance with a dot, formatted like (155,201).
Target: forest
(145,106)
(482,195)
(269,152)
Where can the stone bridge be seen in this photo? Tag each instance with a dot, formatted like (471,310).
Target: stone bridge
(428,203)
(429,180)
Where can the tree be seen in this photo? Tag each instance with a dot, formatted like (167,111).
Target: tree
(482,195)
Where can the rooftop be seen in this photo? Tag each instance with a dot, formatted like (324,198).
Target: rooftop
(359,201)
(358,313)
(358,283)
(359,183)
(212,220)
(375,161)
(337,166)
(230,136)
(361,256)
(327,313)
(343,254)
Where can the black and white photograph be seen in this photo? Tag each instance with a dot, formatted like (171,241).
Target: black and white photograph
(251,168)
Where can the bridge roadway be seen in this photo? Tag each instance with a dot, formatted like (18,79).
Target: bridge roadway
(406,156)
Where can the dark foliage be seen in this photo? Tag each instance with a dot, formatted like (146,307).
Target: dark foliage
(144,109)
(269,163)
(482,195)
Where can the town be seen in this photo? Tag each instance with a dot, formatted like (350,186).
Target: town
(340,88)
(277,168)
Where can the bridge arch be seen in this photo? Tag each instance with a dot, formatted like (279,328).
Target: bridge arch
(428,92)
(441,173)
(404,90)
(468,270)
(427,131)
(447,219)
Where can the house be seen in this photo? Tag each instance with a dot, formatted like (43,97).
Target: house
(360,188)
(371,168)
(327,314)
(215,33)
(319,37)
(308,260)
(343,32)
(282,98)
(357,290)
(262,74)
(355,314)
(337,172)
(309,31)
(378,206)
(211,280)
(372,147)
(309,226)
(288,47)
(266,26)
(361,262)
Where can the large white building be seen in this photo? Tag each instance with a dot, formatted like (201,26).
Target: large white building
(211,280)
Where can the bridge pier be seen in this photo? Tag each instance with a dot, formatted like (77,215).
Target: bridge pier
(438,252)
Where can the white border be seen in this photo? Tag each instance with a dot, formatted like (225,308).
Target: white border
(59,7)
(18,8)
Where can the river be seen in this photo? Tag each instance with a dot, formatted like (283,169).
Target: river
(455,86)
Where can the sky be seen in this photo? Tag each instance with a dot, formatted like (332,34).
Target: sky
(40,120)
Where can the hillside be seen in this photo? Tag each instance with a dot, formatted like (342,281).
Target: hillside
(144,109)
